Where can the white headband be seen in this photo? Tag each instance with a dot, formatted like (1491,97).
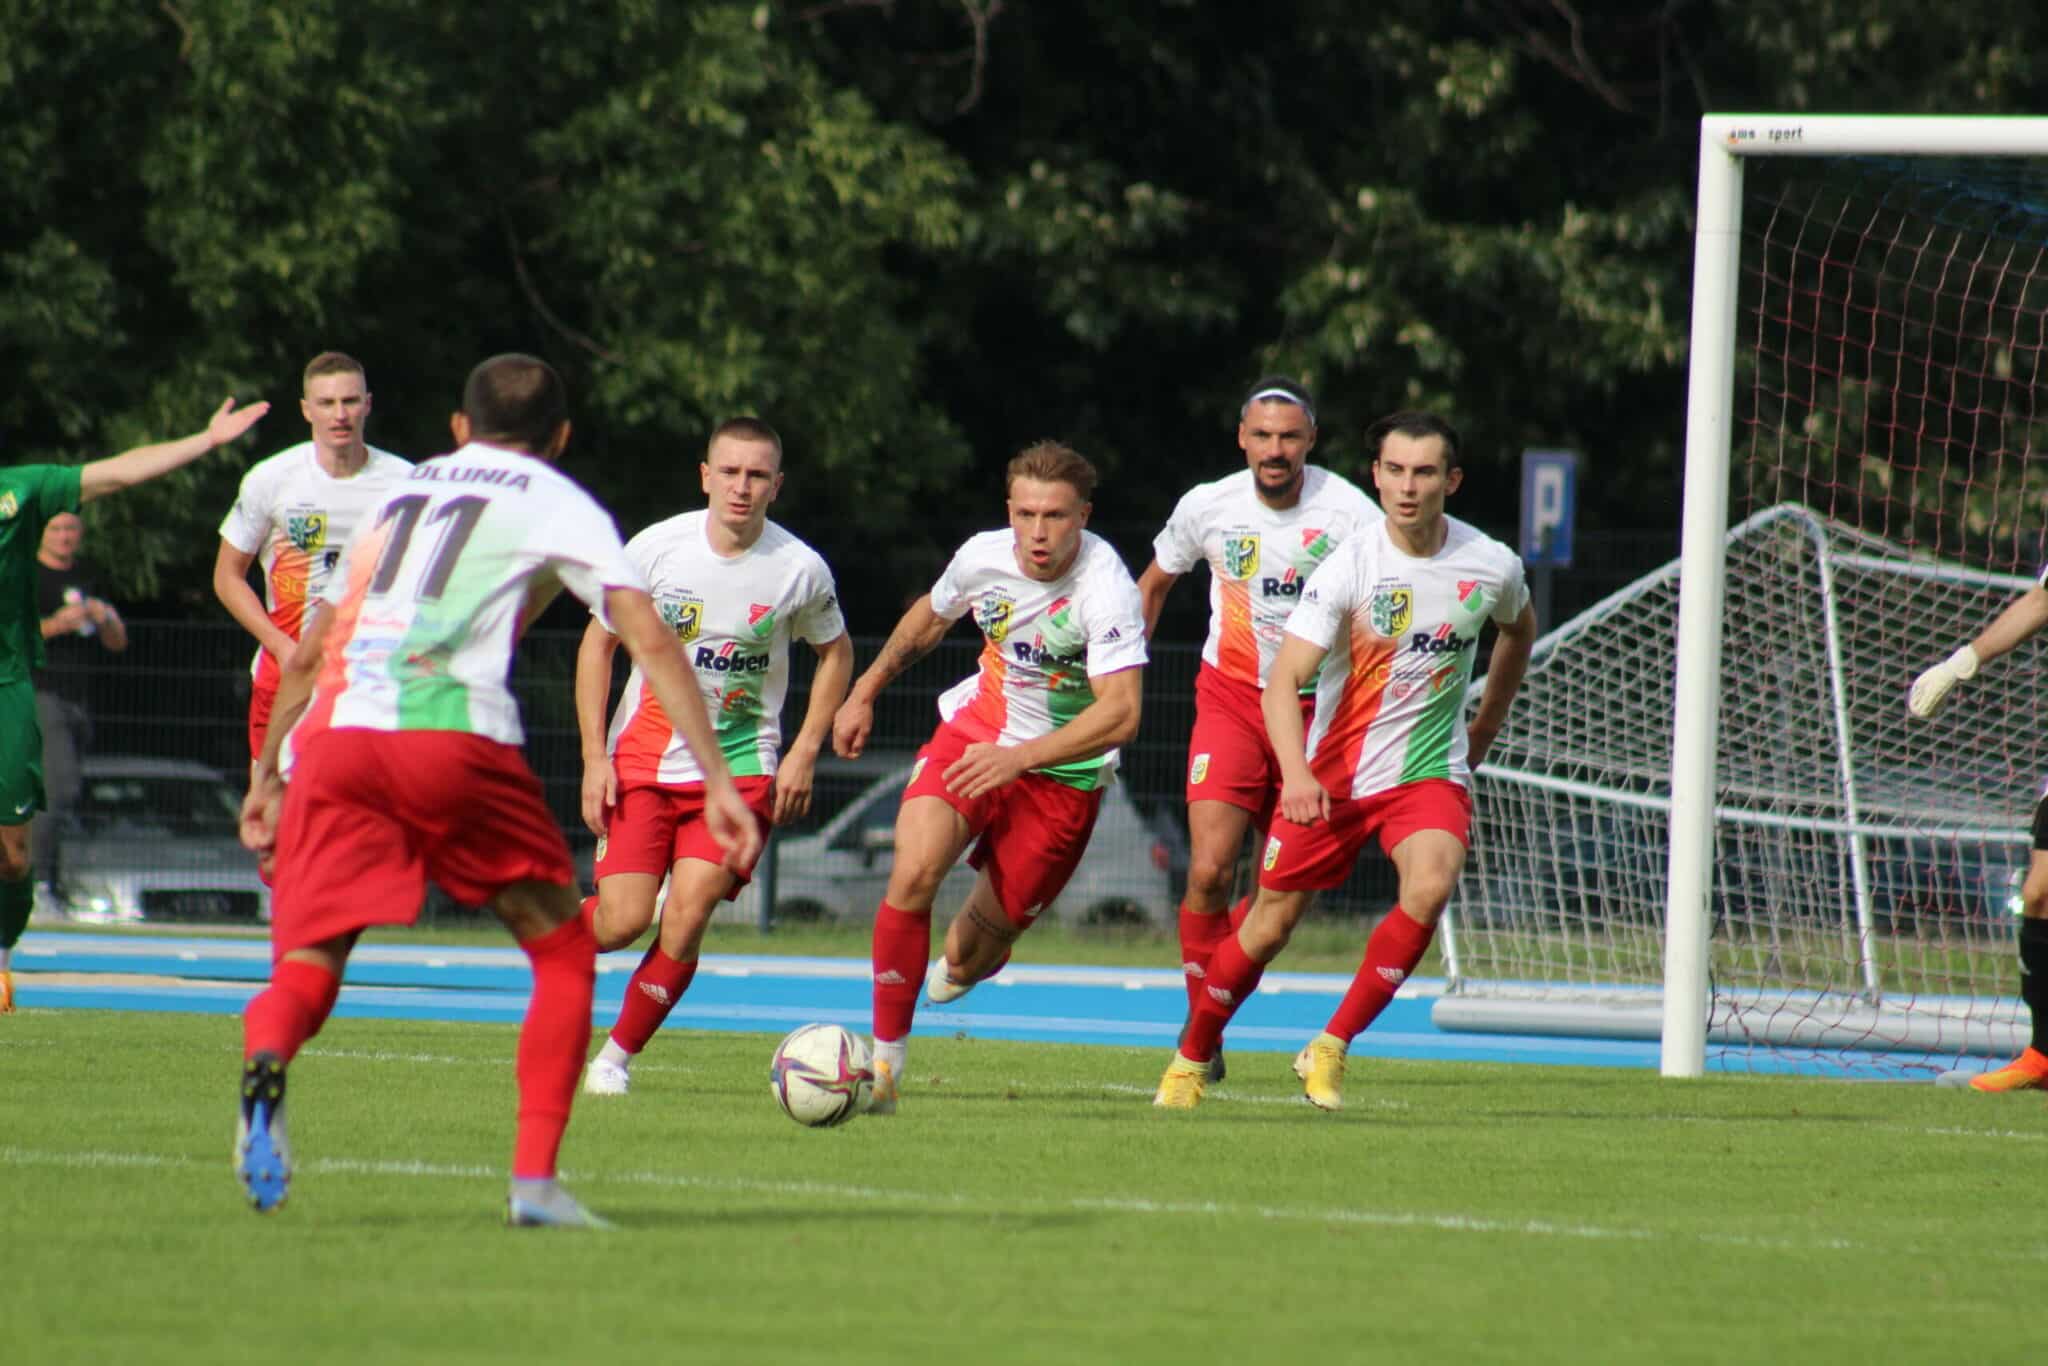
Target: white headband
(1285,396)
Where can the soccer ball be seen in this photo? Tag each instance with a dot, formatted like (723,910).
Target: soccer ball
(821,1075)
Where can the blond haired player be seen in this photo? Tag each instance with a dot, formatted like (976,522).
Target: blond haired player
(292,516)
(1397,612)
(1023,748)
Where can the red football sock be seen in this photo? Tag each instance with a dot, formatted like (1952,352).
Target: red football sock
(1233,977)
(656,985)
(552,1043)
(1199,935)
(587,913)
(290,1010)
(1238,912)
(1397,945)
(902,944)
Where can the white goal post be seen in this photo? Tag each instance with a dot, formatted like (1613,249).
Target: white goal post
(1725,141)
(1709,823)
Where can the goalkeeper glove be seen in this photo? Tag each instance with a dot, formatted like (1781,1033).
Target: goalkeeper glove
(1931,689)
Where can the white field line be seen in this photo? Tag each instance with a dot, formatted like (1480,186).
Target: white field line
(1136,1206)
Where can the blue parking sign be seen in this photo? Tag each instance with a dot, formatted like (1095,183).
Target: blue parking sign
(1550,484)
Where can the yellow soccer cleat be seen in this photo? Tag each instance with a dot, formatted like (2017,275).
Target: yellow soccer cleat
(2027,1072)
(1320,1065)
(1181,1087)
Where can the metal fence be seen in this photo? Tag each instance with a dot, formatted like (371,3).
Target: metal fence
(179,696)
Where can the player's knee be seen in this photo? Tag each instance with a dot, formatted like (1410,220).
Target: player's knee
(1423,899)
(1209,878)
(913,888)
(14,859)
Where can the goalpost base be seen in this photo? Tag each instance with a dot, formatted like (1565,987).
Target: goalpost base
(1781,1022)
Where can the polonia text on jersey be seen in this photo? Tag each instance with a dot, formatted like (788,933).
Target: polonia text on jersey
(511,480)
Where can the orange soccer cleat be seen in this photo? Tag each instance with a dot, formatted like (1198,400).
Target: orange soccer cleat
(2027,1072)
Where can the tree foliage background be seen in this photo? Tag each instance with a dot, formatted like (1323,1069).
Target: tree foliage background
(913,235)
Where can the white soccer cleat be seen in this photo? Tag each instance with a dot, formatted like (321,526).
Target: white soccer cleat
(544,1204)
(939,986)
(602,1078)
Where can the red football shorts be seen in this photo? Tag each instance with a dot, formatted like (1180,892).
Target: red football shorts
(1030,833)
(654,826)
(261,700)
(1318,857)
(370,815)
(1230,756)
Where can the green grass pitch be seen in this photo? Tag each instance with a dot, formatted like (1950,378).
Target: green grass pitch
(1027,1205)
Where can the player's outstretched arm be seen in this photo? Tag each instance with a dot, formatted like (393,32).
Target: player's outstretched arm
(2022,618)
(920,629)
(1503,679)
(799,764)
(1153,586)
(117,472)
(667,670)
(593,692)
(1302,798)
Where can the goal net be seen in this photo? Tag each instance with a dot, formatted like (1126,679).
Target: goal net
(1862,868)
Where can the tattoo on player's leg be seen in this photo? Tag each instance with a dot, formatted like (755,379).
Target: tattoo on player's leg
(1001,928)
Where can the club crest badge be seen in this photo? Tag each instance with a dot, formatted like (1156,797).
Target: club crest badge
(684,617)
(1240,556)
(9,505)
(1392,609)
(994,617)
(307,531)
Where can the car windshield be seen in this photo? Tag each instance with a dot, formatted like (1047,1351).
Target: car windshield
(166,805)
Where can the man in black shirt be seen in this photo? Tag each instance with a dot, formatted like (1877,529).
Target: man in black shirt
(77,627)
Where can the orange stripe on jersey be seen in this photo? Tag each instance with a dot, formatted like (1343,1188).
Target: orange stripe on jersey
(333,679)
(1365,686)
(1237,645)
(643,741)
(290,573)
(985,716)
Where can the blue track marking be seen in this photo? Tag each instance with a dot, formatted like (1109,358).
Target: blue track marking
(766,994)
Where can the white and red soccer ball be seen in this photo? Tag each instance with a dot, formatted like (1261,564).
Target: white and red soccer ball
(821,1075)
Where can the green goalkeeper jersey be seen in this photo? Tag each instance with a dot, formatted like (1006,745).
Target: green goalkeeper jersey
(30,495)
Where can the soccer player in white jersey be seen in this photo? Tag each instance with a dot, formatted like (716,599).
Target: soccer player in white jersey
(294,513)
(406,762)
(1398,612)
(1262,531)
(736,589)
(1024,746)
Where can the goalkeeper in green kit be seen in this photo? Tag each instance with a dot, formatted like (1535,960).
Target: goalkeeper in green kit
(2022,617)
(30,495)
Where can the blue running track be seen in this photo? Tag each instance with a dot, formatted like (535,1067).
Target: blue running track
(765,994)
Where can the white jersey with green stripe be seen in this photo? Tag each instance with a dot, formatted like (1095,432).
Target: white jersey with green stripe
(1259,558)
(1041,643)
(1402,632)
(736,616)
(431,592)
